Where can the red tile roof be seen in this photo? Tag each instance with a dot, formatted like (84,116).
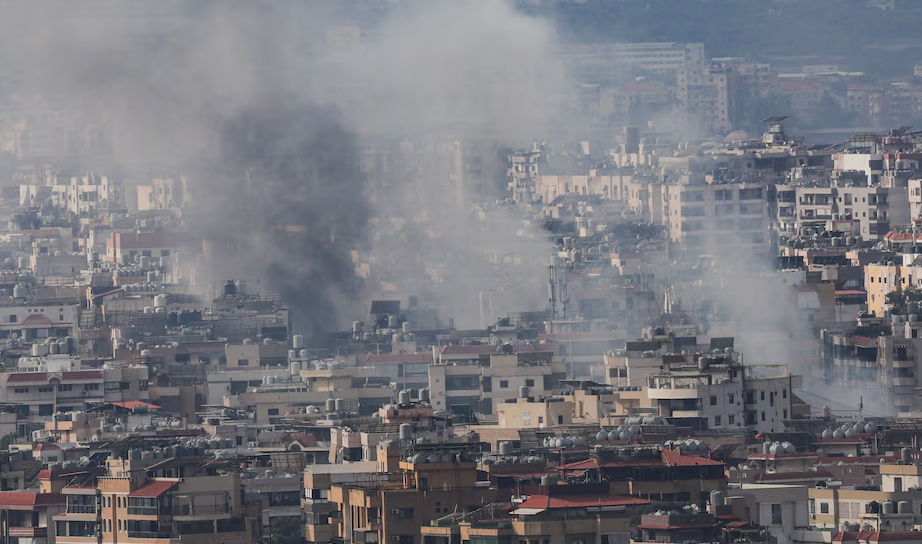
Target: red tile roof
(543,501)
(153,489)
(36,319)
(25,500)
(130,404)
(676,458)
(859,340)
(875,536)
(44,447)
(901,236)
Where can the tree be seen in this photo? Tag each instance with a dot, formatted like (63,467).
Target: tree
(898,301)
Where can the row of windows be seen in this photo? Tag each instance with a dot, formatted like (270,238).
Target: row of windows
(62,387)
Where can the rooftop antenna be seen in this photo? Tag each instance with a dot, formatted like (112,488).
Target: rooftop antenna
(552,290)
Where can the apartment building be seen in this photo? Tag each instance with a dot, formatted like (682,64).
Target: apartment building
(29,515)
(604,62)
(708,94)
(717,392)
(466,386)
(893,505)
(157,501)
(59,383)
(433,482)
(712,218)
(34,320)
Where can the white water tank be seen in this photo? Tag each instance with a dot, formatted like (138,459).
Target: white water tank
(160,301)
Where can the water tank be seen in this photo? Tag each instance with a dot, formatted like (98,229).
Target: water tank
(134,454)
(78,416)
(270,380)
(304,354)
(766,448)
(330,405)
(827,433)
(601,436)
(20,291)
(906,455)
(247,342)
(414,393)
(403,397)
(904,507)
(776,448)
(548,480)
(297,341)
(148,309)
(147,455)
(634,420)
(505,448)
(55,348)
(838,434)
(424,394)
(267,341)
(38,350)
(624,436)
(214,444)
(356,327)
(614,435)
(789,448)
(717,498)
(870,428)
(292,354)
(340,405)
(888,507)
(704,363)
(634,430)
(294,368)
(23,262)
(648,420)
(396,338)
(523,392)
(367,337)
(564,442)
(851,433)
(392,322)
(406,431)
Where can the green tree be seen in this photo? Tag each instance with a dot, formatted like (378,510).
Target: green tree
(899,300)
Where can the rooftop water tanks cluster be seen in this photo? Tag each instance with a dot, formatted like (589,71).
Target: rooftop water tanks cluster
(688,445)
(563,442)
(622,433)
(778,448)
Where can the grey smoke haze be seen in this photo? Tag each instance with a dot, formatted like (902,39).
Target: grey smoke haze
(271,135)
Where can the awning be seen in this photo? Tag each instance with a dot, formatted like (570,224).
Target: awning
(527,511)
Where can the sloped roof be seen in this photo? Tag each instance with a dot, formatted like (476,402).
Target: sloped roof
(153,489)
(545,502)
(26,500)
(676,458)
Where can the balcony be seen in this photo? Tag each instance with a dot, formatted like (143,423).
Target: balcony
(143,511)
(150,535)
(28,532)
(81,509)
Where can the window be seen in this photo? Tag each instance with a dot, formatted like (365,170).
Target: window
(763,416)
(45,409)
(784,393)
(761,395)
(776,514)
(45,389)
(503,384)
(731,398)
(273,411)
(13,318)
(66,387)
(21,390)
(824,508)
(164,252)
(530,383)
(713,400)
(91,387)
(243,362)
(404,513)
(718,421)
(540,420)
(731,420)
(785,413)
(771,398)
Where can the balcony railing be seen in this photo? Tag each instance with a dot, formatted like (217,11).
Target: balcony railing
(149,534)
(81,509)
(143,511)
(201,510)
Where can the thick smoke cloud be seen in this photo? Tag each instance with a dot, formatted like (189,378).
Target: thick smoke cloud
(267,113)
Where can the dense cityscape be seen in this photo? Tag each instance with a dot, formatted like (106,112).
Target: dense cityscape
(461,272)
